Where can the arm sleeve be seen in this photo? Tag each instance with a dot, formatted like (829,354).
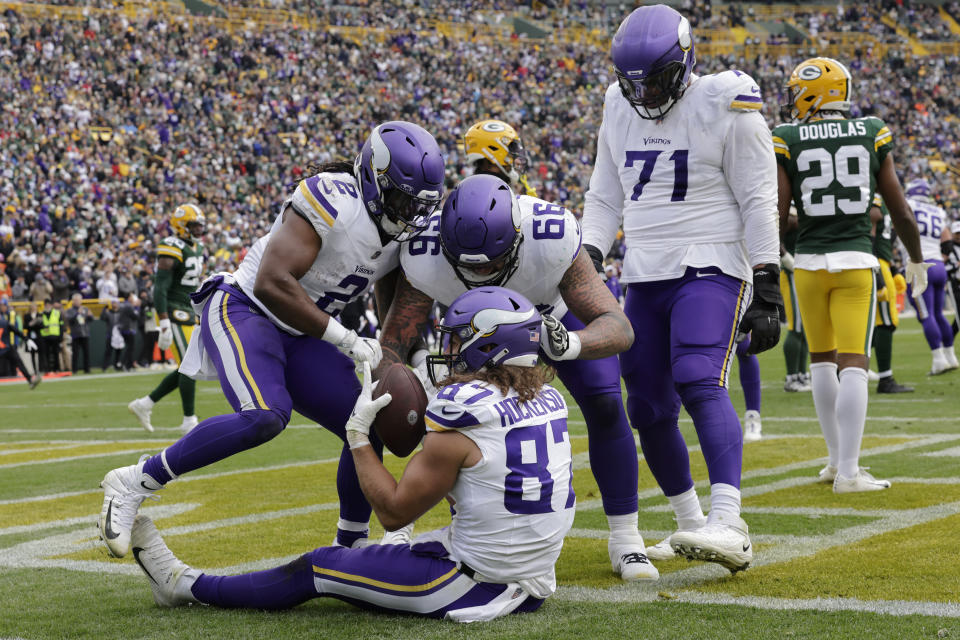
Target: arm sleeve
(161,283)
(751,171)
(603,202)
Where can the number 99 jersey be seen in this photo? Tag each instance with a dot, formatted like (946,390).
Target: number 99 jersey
(833,164)
(551,242)
(514,507)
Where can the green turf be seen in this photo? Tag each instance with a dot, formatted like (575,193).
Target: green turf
(55,601)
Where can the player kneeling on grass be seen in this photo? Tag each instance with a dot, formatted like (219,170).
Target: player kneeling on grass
(496,446)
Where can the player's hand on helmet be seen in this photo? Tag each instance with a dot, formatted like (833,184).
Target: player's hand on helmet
(882,294)
(556,341)
(762,318)
(916,274)
(165,339)
(364,412)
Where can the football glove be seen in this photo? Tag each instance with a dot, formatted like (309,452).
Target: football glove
(419,363)
(364,412)
(787,261)
(899,283)
(881,287)
(762,318)
(556,341)
(32,345)
(353,346)
(917,277)
(165,339)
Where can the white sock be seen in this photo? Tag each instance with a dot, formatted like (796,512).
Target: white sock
(624,527)
(686,507)
(851,416)
(347,525)
(724,502)
(825,386)
(148,402)
(885,374)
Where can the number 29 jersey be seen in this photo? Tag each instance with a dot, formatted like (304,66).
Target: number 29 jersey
(351,256)
(514,507)
(551,242)
(832,165)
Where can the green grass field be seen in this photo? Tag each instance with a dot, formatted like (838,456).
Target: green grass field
(879,565)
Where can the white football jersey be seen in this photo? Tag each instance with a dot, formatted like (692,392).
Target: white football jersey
(514,507)
(695,189)
(351,257)
(931,220)
(551,242)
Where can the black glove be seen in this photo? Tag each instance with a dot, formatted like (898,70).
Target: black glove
(596,255)
(762,318)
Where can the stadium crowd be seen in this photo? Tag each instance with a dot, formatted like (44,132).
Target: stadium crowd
(110,122)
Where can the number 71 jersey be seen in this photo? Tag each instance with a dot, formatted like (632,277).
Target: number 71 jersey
(833,165)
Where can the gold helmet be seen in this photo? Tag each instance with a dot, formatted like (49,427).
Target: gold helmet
(498,142)
(187,221)
(817,84)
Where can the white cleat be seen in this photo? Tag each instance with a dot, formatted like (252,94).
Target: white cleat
(124,489)
(630,561)
(940,364)
(951,358)
(752,426)
(661,551)
(170,579)
(863,481)
(189,422)
(724,541)
(403,535)
(142,410)
(827,475)
(872,375)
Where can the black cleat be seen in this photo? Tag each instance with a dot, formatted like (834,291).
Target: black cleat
(890,385)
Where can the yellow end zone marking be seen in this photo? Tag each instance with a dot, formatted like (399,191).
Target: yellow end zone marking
(39,455)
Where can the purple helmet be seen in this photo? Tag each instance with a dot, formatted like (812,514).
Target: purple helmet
(495,327)
(480,231)
(653,56)
(918,187)
(400,172)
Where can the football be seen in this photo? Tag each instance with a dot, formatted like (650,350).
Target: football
(400,424)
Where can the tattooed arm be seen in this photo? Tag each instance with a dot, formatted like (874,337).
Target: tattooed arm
(607,331)
(407,318)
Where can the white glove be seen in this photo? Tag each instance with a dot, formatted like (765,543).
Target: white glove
(786,261)
(556,341)
(364,411)
(349,343)
(419,362)
(916,274)
(165,339)
(31,345)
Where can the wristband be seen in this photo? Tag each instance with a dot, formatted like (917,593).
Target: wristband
(335,332)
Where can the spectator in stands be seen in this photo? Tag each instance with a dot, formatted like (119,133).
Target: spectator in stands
(41,290)
(126,283)
(19,290)
(107,285)
(78,319)
(61,284)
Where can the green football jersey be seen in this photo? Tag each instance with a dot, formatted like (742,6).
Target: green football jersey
(883,243)
(833,166)
(187,271)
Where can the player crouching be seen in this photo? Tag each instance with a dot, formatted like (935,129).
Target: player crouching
(496,446)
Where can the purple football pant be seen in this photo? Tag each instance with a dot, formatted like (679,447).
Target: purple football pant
(394,578)
(929,307)
(595,386)
(265,373)
(749,375)
(684,342)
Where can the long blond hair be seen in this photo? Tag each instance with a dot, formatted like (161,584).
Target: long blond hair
(526,381)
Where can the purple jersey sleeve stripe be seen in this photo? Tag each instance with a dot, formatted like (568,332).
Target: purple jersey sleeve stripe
(746,98)
(312,185)
(463,420)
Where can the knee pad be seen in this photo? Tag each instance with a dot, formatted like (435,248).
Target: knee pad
(263,425)
(694,367)
(603,413)
(697,391)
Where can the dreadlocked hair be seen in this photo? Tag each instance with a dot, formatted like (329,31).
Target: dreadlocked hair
(526,381)
(333,166)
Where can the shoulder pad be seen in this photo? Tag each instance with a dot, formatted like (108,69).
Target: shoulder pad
(171,247)
(445,414)
(320,198)
(740,91)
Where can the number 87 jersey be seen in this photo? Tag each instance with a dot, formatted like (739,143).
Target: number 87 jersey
(832,165)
